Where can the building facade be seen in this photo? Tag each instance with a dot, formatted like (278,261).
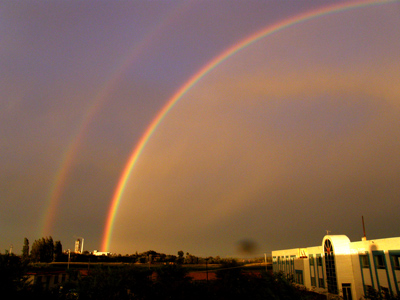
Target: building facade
(78,246)
(339,267)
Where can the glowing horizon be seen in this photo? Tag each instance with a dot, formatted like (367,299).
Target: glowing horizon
(265,32)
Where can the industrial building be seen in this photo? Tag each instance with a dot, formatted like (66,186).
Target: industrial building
(339,267)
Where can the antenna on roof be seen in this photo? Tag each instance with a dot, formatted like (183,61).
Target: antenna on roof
(364,238)
(327,232)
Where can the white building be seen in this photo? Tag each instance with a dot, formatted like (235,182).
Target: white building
(78,246)
(98,253)
(344,268)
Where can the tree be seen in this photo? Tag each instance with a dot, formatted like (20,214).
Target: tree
(36,250)
(57,251)
(43,250)
(49,249)
(180,257)
(25,250)
(191,259)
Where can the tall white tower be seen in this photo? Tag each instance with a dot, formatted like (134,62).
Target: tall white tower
(78,246)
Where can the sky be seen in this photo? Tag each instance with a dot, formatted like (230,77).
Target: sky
(202,126)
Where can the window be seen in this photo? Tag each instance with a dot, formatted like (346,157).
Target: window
(279,263)
(380,261)
(312,270)
(313,281)
(292,264)
(55,279)
(319,260)
(396,262)
(346,288)
(364,260)
(299,277)
(274,259)
(283,263)
(330,267)
(321,283)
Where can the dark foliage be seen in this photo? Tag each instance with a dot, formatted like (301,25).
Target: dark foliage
(115,283)
(372,294)
(13,280)
(172,283)
(44,250)
(233,282)
(25,250)
(168,281)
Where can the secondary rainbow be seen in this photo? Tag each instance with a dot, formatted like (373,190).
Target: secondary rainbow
(269,30)
(59,182)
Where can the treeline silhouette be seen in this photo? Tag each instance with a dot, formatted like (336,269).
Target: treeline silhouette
(46,250)
(166,281)
(169,281)
(150,256)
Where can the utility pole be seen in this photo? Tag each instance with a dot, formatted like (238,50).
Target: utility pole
(69,257)
(265,261)
(207,270)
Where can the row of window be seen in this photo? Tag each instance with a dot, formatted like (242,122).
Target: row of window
(314,274)
(379,260)
(318,259)
(284,264)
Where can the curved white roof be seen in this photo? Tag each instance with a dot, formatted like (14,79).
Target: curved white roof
(340,243)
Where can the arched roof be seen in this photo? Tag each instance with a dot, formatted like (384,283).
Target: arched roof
(340,243)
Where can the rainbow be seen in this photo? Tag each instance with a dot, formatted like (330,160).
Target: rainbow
(60,179)
(277,27)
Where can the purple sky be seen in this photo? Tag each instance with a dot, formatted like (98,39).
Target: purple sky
(292,136)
